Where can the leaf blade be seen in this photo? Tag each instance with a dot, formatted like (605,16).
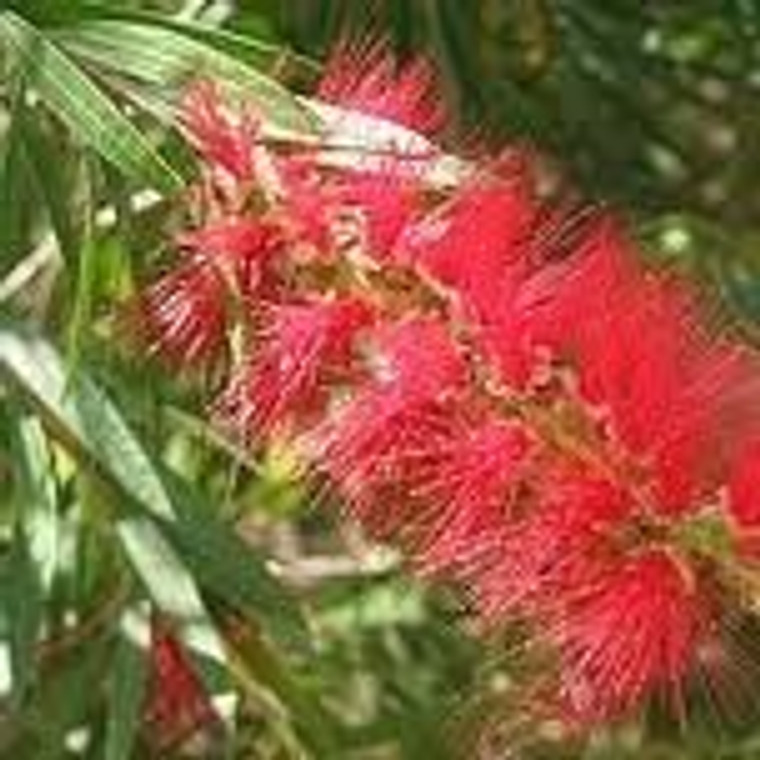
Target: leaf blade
(230,569)
(90,425)
(80,103)
(127,687)
(162,56)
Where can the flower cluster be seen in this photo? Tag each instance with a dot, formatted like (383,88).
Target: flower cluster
(487,376)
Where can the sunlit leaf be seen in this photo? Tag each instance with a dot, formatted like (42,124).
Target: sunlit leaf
(164,57)
(127,682)
(80,103)
(85,419)
(246,47)
(38,498)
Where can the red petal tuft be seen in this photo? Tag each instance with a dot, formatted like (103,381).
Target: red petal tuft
(238,247)
(303,346)
(386,200)
(464,485)
(364,443)
(418,360)
(634,630)
(471,242)
(527,564)
(366,78)
(177,705)
(222,141)
(182,316)
(744,486)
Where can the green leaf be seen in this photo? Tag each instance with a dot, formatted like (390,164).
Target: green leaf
(24,609)
(85,419)
(89,424)
(83,299)
(38,509)
(78,101)
(83,416)
(18,191)
(126,689)
(33,554)
(164,57)
(163,572)
(55,188)
(246,47)
(231,570)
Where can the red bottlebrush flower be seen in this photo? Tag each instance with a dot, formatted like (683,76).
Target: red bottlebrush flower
(354,211)
(527,564)
(177,704)
(361,445)
(182,317)
(493,219)
(366,78)
(697,435)
(553,305)
(418,360)
(239,248)
(530,412)
(365,451)
(463,485)
(744,486)
(303,345)
(306,213)
(385,201)
(222,140)
(570,294)
(488,217)
(666,398)
(631,631)
(235,236)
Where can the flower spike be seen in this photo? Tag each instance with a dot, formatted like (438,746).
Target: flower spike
(487,376)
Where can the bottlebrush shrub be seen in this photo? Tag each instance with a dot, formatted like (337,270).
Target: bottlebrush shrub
(489,379)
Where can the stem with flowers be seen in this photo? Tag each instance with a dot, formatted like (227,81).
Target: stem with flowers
(484,373)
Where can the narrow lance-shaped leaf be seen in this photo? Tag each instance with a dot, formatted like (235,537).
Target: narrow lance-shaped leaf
(81,104)
(176,538)
(34,548)
(126,687)
(24,608)
(90,425)
(55,187)
(164,57)
(246,48)
(38,508)
(83,298)
(228,567)
(86,420)
(18,189)
(83,416)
